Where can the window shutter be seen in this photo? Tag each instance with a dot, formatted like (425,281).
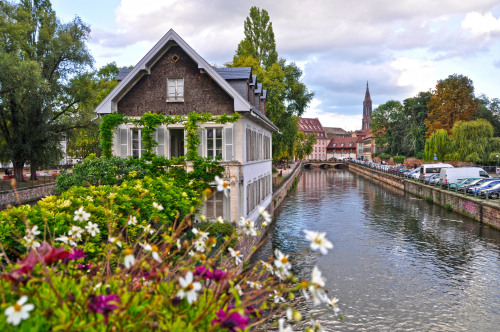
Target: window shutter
(201,134)
(160,138)
(123,142)
(228,134)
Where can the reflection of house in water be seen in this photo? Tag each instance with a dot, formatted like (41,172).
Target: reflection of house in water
(172,79)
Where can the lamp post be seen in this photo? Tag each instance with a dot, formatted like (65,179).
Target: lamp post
(496,166)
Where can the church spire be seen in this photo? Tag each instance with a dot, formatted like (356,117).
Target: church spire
(367,109)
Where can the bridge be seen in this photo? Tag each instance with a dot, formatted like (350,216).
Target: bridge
(325,164)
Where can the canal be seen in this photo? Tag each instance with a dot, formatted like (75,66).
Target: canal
(399,263)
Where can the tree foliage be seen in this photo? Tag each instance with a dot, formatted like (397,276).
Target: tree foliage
(489,109)
(43,80)
(287,96)
(304,145)
(453,100)
(438,145)
(472,137)
(259,41)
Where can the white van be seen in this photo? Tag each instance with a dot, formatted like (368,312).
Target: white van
(427,170)
(454,175)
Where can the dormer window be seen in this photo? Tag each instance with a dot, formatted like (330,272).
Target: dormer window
(175,89)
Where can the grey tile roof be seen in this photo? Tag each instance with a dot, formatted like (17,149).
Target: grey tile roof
(122,74)
(259,88)
(254,79)
(264,94)
(238,73)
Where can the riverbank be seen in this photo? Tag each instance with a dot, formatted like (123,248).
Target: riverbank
(483,211)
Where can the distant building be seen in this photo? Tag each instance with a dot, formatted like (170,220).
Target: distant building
(308,126)
(342,147)
(332,132)
(367,110)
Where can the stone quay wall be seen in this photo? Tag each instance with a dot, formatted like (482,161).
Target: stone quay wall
(484,211)
(13,197)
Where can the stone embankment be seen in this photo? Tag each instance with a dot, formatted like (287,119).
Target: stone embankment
(26,195)
(484,211)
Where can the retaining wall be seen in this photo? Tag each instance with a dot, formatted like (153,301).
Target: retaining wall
(23,196)
(487,212)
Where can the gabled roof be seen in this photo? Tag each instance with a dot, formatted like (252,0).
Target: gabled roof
(258,90)
(236,73)
(349,142)
(109,104)
(123,73)
(254,79)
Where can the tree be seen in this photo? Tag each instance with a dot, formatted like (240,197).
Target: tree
(387,120)
(43,80)
(452,100)
(259,38)
(415,111)
(438,145)
(490,111)
(304,145)
(287,96)
(471,137)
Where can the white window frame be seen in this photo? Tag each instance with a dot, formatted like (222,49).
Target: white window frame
(214,141)
(178,87)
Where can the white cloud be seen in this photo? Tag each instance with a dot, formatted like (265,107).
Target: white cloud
(481,24)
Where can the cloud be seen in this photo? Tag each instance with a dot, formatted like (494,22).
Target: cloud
(481,24)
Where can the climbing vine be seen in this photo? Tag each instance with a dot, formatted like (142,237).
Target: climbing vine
(150,121)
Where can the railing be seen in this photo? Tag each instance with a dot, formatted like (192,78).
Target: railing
(6,184)
(277,186)
(393,171)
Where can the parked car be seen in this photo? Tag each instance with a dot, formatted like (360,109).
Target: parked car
(454,186)
(452,175)
(427,170)
(427,179)
(492,192)
(463,188)
(474,190)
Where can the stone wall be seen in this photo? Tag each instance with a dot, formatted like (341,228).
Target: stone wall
(487,212)
(23,196)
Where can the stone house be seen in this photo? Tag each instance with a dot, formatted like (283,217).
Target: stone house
(172,79)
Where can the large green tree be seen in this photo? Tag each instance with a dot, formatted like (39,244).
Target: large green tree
(453,100)
(304,145)
(415,112)
(489,109)
(472,137)
(438,145)
(288,96)
(386,125)
(259,39)
(43,80)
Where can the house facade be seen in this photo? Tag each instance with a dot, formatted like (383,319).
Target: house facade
(342,147)
(308,126)
(172,79)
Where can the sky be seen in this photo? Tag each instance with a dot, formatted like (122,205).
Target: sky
(400,47)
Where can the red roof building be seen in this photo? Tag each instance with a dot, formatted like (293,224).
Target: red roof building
(342,147)
(308,126)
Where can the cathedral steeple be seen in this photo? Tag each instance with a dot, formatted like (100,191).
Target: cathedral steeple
(367,109)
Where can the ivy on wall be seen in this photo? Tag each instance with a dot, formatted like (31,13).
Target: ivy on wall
(150,121)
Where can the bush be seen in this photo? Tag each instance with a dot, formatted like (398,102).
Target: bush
(398,159)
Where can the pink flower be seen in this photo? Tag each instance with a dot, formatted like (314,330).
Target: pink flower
(233,321)
(76,254)
(103,304)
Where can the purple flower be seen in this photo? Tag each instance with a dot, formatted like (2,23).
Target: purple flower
(202,271)
(84,266)
(76,254)
(231,320)
(218,275)
(103,304)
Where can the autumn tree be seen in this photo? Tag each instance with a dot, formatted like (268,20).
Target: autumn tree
(437,145)
(43,79)
(453,100)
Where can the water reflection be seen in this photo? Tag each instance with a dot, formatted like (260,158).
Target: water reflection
(399,263)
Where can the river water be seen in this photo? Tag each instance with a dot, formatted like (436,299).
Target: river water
(399,263)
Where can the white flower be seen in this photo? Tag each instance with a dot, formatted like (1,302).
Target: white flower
(268,267)
(97,286)
(220,220)
(199,245)
(178,243)
(236,254)
(67,240)
(30,238)
(200,234)
(264,214)
(265,224)
(282,328)
(92,228)
(318,241)
(222,185)
(76,233)
(155,254)
(157,206)
(129,260)
(239,290)
(146,246)
(277,298)
(132,220)
(32,232)
(188,288)
(115,241)
(81,215)
(282,262)
(246,227)
(31,243)
(254,285)
(316,326)
(19,311)
(333,303)
(316,287)
(148,229)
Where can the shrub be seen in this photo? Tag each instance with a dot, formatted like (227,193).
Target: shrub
(398,159)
